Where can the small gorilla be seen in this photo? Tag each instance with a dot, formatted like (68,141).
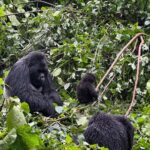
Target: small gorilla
(113,132)
(30,80)
(86,89)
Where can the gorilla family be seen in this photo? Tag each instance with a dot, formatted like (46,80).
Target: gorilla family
(113,132)
(86,89)
(30,80)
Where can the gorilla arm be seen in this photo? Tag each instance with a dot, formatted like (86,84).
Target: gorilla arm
(50,91)
(91,90)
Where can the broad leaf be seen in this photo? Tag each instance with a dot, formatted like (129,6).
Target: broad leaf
(8,140)
(15,118)
(14,20)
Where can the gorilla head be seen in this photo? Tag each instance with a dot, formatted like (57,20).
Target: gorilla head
(113,132)
(86,89)
(89,77)
(30,80)
(38,70)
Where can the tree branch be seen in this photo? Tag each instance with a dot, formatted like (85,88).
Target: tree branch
(106,87)
(133,102)
(22,13)
(117,57)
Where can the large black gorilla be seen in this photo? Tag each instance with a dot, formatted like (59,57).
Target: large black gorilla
(86,89)
(30,80)
(113,132)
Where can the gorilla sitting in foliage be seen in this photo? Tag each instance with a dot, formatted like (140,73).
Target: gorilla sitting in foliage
(86,89)
(113,132)
(30,80)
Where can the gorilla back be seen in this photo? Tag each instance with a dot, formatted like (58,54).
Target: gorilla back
(30,80)
(113,132)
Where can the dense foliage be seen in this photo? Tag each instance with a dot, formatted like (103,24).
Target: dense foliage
(78,36)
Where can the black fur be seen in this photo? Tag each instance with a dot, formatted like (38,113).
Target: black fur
(113,132)
(86,89)
(30,80)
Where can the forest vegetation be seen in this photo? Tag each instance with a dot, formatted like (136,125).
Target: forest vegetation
(77,36)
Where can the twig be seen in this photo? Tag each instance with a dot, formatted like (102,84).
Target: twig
(22,13)
(96,53)
(118,56)
(106,87)
(35,1)
(135,45)
(133,102)
(44,2)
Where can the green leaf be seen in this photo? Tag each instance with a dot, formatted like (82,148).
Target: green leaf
(59,109)
(1,81)
(148,86)
(118,37)
(68,139)
(2,12)
(56,72)
(20,9)
(1,91)
(147,23)
(57,17)
(15,118)
(146,129)
(14,100)
(8,140)
(60,81)
(82,121)
(3,133)
(56,13)
(141,120)
(14,20)
(25,107)
(27,139)
(66,86)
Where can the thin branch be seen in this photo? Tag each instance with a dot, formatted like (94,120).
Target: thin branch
(96,52)
(44,2)
(118,56)
(133,102)
(22,13)
(106,87)
(35,1)
(135,45)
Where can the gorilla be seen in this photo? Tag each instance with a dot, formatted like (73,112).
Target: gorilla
(86,89)
(113,132)
(30,80)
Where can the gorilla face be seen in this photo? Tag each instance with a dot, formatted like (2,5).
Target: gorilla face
(38,70)
(38,74)
(89,77)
